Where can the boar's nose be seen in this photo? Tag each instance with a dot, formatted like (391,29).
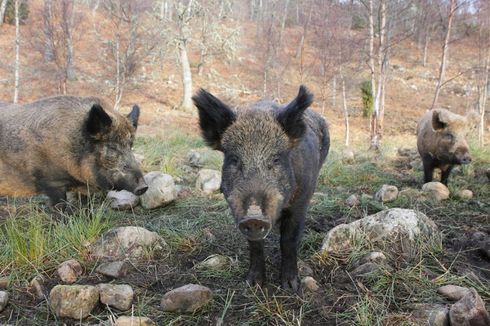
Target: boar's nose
(466,159)
(254,225)
(141,188)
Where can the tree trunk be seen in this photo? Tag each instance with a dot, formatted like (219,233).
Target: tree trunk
(68,25)
(283,22)
(118,98)
(346,113)
(372,68)
(483,95)
(445,54)
(186,78)
(426,47)
(3,6)
(334,90)
(17,51)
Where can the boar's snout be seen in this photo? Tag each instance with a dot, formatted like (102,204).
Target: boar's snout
(254,225)
(141,188)
(466,159)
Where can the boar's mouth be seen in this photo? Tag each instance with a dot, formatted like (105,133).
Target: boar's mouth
(254,225)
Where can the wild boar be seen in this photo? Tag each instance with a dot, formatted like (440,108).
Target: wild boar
(61,143)
(272,157)
(441,142)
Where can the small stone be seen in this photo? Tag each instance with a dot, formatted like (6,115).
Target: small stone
(208,181)
(453,292)
(187,298)
(4,300)
(122,200)
(134,321)
(376,257)
(4,282)
(119,296)
(116,269)
(436,190)
(69,271)
(304,269)
(310,284)
(73,301)
(131,242)
(431,315)
(469,311)
(464,194)
(36,287)
(161,190)
(215,262)
(386,194)
(195,159)
(352,201)
(348,155)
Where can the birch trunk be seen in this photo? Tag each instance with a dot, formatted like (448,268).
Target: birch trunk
(3,6)
(17,51)
(186,78)
(346,113)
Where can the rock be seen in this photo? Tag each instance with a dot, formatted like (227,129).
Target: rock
(216,262)
(384,225)
(69,271)
(139,158)
(376,257)
(469,311)
(161,190)
(36,287)
(195,159)
(464,194)
(431,315)
(364,270)
(122,200)
(119,296)
(453,292)
(116,269)
(310,284)
(4,282)
(386,194)
(187,298)
(127,242)
(407,151)
(73,301)
(4,300)
(415,164)
(304,269)
(134,321)
(208,181)
(348,155)
(436,190)
(352,201)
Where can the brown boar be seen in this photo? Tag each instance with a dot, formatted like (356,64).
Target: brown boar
(272,157)
(441,142)
(62,143)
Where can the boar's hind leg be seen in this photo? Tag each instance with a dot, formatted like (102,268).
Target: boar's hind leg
(428,169)
(445,172)
(256,272)
(292,225)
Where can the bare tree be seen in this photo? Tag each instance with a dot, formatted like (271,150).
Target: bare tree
(184,17)
(483,67)
(3,7)
(17,51)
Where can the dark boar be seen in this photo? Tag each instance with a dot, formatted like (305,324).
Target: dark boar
(61,143)
(441,142)
(272,157)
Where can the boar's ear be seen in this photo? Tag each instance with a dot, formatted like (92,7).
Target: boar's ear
(291,116)
(214,117)
(439,120)
(134,115)
(98,121)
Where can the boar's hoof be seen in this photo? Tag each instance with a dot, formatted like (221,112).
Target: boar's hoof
(254,228)
(291,283)
(255,278)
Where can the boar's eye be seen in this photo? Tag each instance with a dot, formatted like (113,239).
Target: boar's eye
(275,161)
(449,137)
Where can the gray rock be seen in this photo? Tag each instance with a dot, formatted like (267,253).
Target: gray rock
(195,159)
(116,269)
(464,194)
(119,296)
(208,181)
(304,269)
(431,315)
(187,298)
(352,201)
(376,257)
(453,292)
(436,190)
(4,300)
(384,225)
(161,190)
(134,321)
(73,301)
(69,271)
(469,311)
(122,200)
(386,194)
(310,284)
(36,287)
(131,242)
(348,155)
(215,262)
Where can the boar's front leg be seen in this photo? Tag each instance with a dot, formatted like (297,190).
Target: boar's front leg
(57,198)
(445,172)
(256,271)
(292,225)
(428,164)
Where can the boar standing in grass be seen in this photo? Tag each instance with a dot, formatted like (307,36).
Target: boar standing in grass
(441,141)
(272,157)
(61,143)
